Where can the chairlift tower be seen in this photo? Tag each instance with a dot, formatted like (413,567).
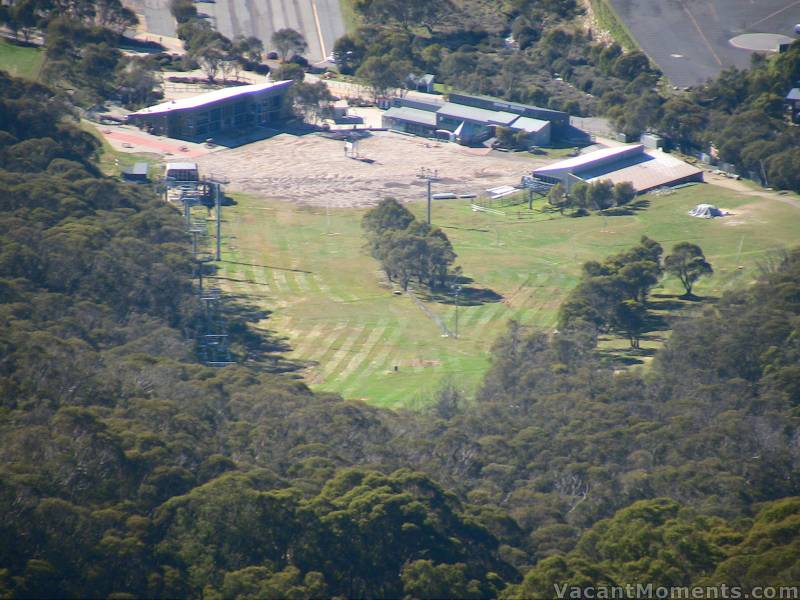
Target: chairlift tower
(212,335)
(430,175)
(535,185)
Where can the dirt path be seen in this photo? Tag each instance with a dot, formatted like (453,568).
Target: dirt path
(742,188)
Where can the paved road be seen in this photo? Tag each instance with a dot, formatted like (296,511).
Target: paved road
(157,16)
(689,39)
(320,21)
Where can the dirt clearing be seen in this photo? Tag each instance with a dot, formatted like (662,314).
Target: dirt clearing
(313,169)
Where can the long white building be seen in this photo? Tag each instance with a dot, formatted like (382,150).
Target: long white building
(644,169)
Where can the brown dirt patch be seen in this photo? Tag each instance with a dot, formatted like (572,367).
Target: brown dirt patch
(312,169)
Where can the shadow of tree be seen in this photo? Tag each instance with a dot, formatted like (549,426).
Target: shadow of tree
(254,346)
(626,357)
(678,302)
(468,295)
(628,209)
(233,262)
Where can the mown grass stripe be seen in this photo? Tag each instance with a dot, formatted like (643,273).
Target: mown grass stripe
(377,359)
(308,338)
(344,354)
(279,278)
(329,343)
(373,334)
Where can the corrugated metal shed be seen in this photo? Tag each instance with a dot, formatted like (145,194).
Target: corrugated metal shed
(645,170)
(477,115)
(138,172)
(586,161)
(658,170)
(413,115)
(490,103)
(181,166)
(530,125)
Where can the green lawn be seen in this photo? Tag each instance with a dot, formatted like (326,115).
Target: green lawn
(20,61)
(340,316)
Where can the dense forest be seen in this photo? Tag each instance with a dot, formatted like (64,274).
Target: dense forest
(130,470)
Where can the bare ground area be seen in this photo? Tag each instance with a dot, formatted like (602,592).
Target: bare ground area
(743,188)
(314,170)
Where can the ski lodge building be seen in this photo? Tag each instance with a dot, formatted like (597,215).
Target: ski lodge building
(230,110)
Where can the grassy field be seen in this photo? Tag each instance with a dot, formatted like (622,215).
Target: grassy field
(357,338)
(20,61)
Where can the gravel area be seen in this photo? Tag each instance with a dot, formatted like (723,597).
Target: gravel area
(313,169)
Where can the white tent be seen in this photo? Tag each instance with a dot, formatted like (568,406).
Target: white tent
(706,211)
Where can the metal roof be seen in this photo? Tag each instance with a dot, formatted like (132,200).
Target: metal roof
(413,115)
(479,115)
(794,94)
(181,166)
(211,97)
(498,104)
(528,124)
(658,170)
(589,160)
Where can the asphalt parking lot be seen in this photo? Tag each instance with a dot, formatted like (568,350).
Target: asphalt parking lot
(320,21)
(690,39)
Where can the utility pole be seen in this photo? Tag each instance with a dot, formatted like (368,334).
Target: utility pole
(218,202)
(431,176)
(194,244)
(187,211)
(458,291)
(429,201)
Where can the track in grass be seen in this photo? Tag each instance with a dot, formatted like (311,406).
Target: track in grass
(360,340)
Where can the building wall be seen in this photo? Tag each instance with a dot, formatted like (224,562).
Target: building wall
(155,124)
(544,114)
(183,174)
(478,131)
(541,137)
(408,127)
(225,116)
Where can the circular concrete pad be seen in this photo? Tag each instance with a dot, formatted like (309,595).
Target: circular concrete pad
(760,42)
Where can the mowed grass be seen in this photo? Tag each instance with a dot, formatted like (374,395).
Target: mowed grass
(342,320)
(20,61)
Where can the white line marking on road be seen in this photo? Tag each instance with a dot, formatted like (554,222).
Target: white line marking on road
(777,12)
(319,29)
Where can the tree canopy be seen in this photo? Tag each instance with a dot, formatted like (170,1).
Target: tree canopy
(406,248)
(688,264)
(128,468)
(288,42)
